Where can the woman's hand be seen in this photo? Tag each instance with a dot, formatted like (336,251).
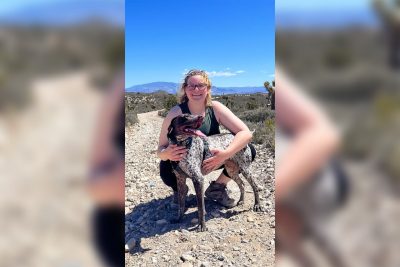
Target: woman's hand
(218,158)
(173,152)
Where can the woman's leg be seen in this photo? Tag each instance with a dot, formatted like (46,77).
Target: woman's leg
(167,174)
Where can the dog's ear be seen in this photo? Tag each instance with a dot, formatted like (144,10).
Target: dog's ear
(171,127)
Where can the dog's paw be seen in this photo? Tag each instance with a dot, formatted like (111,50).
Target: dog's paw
(257,208)
(201,228)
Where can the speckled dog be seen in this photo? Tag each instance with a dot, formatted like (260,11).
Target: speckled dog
(183,131)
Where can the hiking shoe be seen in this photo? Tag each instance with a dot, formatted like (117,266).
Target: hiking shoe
(185,191)
(218,192)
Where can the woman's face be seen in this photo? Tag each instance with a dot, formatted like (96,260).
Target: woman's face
(196,89)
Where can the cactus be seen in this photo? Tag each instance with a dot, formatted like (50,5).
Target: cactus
(271,93)
(389,12)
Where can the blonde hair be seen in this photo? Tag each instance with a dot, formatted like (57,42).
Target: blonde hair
(182,97)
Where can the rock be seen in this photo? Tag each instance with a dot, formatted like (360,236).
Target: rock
(161,222)
(130,244)
(215,214)
(236,249)
(186,264)
(204,264)
(205,248)
(166,258)
(187,257)
(221,258)
(250,219)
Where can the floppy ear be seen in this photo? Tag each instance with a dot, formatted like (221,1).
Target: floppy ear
(171,128)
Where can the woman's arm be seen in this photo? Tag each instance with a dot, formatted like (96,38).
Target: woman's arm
(242,137)
(314,141)
(166,151)
(103,146)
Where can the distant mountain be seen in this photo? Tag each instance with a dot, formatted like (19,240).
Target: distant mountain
(172,88)
(325,19)
(67,12)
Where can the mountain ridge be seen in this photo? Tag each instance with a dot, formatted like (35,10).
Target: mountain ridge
(172,88)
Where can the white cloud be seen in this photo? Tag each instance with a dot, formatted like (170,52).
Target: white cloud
(224,73)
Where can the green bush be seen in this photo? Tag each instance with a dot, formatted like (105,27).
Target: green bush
(170,101)
(257,115)
(163,113)
(264,132)
(131,118)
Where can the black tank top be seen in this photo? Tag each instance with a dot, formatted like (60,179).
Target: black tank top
(210,125)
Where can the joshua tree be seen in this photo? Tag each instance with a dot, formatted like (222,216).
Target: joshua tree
(271,93)
(389,12)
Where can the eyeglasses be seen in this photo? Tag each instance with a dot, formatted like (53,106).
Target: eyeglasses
(200,86)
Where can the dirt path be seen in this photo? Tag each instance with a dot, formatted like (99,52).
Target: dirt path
(235,237)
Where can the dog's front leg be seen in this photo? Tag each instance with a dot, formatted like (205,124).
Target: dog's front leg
(198,182)
(181,183)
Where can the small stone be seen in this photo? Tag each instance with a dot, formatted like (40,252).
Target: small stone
(186,264)
(130,244)
(236,249)
(204,264)
(221,258)
(250,219)
(161,222)
(205,248)
(215,214)
(245,241)
(165,257)
(153,260)
(187,257)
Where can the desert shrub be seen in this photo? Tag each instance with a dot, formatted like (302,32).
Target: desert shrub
(337,58)
(393,162)
(170,101)
(264,132)
(163,113)
(251,105)
(257,115)
(131,118)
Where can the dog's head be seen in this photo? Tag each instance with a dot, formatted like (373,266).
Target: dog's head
(185,125)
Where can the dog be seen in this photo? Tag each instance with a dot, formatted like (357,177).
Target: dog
(183,131)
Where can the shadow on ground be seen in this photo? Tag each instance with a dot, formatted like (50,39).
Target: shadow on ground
(154,218)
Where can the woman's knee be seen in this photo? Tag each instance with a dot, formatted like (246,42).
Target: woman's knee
(167,174)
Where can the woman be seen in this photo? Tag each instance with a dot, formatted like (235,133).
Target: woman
(106,182)
(195,98)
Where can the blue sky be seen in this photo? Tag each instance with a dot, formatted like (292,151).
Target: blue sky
(286,5)
(61,12)
(234,40)
(316,14)
(9,6)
